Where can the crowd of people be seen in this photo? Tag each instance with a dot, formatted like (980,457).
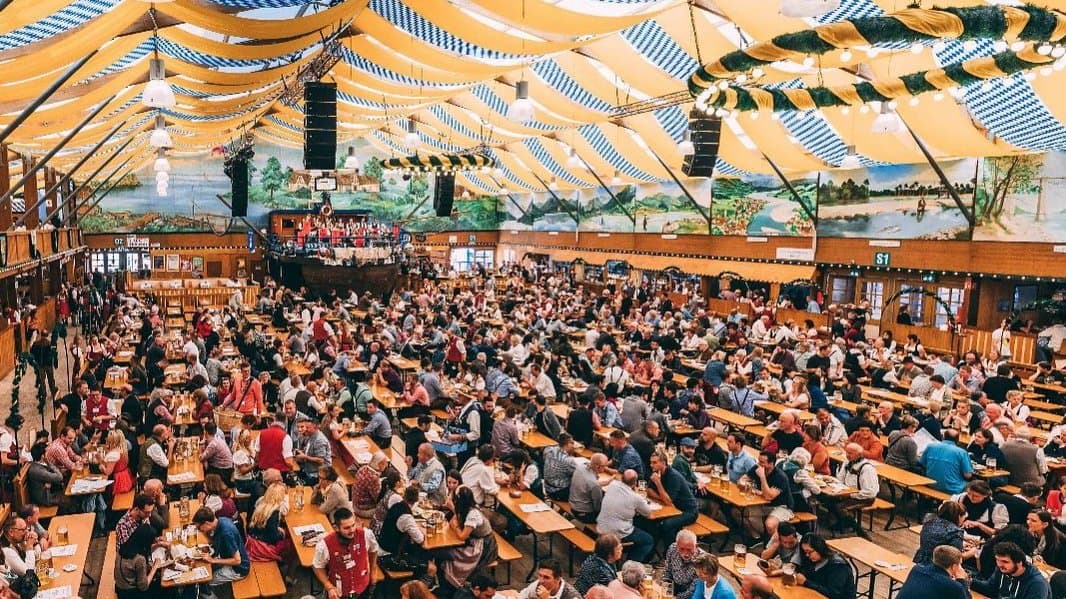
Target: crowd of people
(498,353)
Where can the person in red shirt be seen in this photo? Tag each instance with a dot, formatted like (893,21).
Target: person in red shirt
(345,558)
(247,394)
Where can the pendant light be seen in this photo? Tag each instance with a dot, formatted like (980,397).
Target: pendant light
(573,161)
(521,110)
(158,93)
(351,162)
(888,121)
(162,165)
(160,136)
(851,159)
(616,180)
(801,9)
(685,147)
(411,139)
(553,185)
(162,177)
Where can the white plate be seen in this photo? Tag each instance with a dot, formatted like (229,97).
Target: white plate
(69,568)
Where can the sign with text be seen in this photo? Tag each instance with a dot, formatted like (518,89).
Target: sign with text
(882,258)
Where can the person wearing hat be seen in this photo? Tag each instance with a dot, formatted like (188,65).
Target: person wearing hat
(685,461)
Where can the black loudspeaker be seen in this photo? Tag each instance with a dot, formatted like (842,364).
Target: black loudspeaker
(239,191)
(706,131)
(443,194)
(320,126)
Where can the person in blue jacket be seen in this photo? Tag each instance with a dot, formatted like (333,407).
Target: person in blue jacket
(710,585)
(943,577)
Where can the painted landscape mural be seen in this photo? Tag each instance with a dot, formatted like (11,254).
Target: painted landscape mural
(1020,198)
(903,201)
(278,182)
(761,205)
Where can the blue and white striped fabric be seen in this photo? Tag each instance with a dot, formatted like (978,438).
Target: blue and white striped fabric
(253,4)
(550,72)
(674,121)
(509,175)
(815,133)
(655,44)
(375,70)
(196,57)
(851,9)
(184,91)
(603,146)
(131,58)
(284,124)
(497,104)
(71,16)
(536,147)
(445,117)
(1014,113)
(401,15)
(480,183)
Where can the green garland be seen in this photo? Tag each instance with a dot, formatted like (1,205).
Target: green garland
(981,22)
(440,162)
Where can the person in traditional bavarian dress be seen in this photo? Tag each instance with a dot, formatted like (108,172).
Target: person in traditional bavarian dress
(344,558)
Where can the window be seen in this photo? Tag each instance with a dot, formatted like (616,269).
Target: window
(911,302)
(114,262)
(96,261)
(464,259)
(1023,296)
(952,296)
(841,290)
(874,292)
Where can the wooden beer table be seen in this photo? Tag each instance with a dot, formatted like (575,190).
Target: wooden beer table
(541,523)
(189,472)
(879,560)
(79,532)
(201,539)
(728,563)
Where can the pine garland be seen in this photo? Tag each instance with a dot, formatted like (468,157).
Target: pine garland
(1031,24)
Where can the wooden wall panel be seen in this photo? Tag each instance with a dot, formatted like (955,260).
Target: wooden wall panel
(7,350)
(226,249)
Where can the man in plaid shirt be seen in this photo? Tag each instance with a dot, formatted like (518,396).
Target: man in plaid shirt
(60,453)
(143,505)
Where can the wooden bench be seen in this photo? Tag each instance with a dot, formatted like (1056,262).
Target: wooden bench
(22,495)
(342,472)
(879,505)
(123,502)
(1011,489)
(577,540)
(263,580)
(705,526)
(506,553)
(106,586)
(931,493)
(805,519)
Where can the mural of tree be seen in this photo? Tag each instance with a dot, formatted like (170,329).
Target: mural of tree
(273,177)
(1005,175)
(373,169)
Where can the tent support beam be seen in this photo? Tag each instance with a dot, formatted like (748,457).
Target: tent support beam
(91,177)
(548,189)
(792,190)
(244,219)
(41,99)
(101,186)
(67,177)
(632,219)
(509,196)
(970,217)
(706,215)
(32,172)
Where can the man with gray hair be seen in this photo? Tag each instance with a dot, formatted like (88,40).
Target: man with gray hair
(1025,461)
(630,578)
(857,472)
(943,578)
(680,564)
(586,488)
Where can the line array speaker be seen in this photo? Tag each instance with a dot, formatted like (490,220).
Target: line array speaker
(706,132)
(444,193)
(239,189)
(320,126)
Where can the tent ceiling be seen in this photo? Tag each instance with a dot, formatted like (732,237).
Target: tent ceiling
(451,66)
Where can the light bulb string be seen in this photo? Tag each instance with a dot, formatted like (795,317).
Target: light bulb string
(695,33)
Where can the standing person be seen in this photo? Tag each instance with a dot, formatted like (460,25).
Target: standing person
(45,360)
(1001,340)
(344,559)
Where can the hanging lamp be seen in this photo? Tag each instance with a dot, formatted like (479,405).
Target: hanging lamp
(158,93)
(521,109)
(160,136)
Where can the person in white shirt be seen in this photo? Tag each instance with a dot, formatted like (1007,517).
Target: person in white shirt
(540,382)
(858,473)
(190,348)
(478,474)
(615,374)
(1001,340)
